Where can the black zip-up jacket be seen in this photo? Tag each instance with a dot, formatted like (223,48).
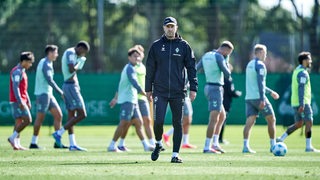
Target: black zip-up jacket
(166,64)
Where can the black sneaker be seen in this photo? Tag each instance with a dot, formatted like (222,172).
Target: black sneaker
(34,146)
(156,152)
(176,160)
(56,146)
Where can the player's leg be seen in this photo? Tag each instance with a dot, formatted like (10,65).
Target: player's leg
(221,118)
(126,113)
(298,124)
(42,104)
(147,122)
(166,136)
(23,119)
(270,117)
(308,118)
(121,144)
(186,123)
(252,110)
(159,110)
(137,121)
(177,106)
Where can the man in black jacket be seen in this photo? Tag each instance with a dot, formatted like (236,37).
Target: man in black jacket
(165,82)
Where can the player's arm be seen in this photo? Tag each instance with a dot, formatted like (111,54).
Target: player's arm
(302,80)
(199,65)
(151,66)
(114,100)
(16,78)
(223,67)
(47,71)
(133,80)
(261,72)
(190,65)
(28,101)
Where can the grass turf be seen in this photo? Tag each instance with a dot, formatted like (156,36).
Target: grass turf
(97,163)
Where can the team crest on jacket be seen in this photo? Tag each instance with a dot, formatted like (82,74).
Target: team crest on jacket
(163,48)
(177,50)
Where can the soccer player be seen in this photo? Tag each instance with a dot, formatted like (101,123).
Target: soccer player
(301,100)
(73,60)
(215,69)
(256,100)
(165,83)
(45,100)
(142,101)
(19,98)
(128,98)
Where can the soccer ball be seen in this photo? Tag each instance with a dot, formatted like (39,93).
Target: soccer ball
(279,149)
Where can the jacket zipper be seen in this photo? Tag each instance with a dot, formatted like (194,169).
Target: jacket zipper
(170,69)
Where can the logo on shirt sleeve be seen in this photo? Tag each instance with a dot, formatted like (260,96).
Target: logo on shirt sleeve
(261,72)
(16,78)
(303,80)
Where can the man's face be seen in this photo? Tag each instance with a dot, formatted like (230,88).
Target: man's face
(52,55)
(134,58)
(308,62)
(27,64)
(81,52)
(170,30)
(226,52)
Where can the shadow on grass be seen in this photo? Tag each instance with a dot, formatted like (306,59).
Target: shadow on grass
(102,163)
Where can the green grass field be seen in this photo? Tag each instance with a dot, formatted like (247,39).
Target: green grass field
(97,163)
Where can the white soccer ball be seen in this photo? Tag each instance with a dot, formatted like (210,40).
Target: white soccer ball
(279,149)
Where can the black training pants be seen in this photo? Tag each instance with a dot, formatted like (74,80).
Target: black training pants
(159,112)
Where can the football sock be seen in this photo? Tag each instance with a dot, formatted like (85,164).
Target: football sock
(216,139)
(160,143)
(207,144)
(61,131)
(284,136)
(272,142)
(144,143)
(17,141)
(308,143)
(72,140)
(185,139)
(246,142)
(14,135)
(112,144)
(170,132)
(34,139)
(152,142)
(175,154)
(121,142)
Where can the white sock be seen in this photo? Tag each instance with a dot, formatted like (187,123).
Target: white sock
(284,135)
(34,139)
(175,154)
(72,140)
(152,142)
(112,144)
(121,142)
(216,139)
(17,141)
(14,135)
(61,131)
(145,144)
(207,144)
(272,142)
(308,143)
(185,139)
(170,132)
(160,143)
(246,142)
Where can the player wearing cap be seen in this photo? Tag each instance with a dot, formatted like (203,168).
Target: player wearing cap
(165,83)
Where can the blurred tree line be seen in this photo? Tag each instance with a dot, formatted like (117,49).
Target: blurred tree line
(113,26)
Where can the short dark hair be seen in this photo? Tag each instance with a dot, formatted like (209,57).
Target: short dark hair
(133,50)
(26,56)
(50,48)
(303,56)
(227,44)
(84,44)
